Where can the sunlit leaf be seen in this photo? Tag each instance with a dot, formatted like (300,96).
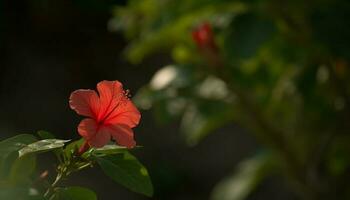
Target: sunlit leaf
(126,170)
(213,88)
(174,76)
(164,77)
(110,149)
(42,146)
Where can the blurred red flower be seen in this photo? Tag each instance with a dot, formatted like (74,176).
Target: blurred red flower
(110,114)
(203,36)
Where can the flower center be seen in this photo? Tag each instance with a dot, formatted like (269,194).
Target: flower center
(121,100)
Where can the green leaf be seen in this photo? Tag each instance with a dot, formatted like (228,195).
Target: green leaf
(110,149)
(42,146)
(247,34)
(19,193)
(74,193)
(246,178)
(45,135)
(22,169)
(15,143)
(126,170)
(72,147)
(9,151)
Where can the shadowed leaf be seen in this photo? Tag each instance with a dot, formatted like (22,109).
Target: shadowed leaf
(9,151)
(126,170)
(74,193)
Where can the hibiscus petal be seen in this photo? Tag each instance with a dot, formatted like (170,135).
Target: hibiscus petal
(94,135)
(123,135)
(85,102)
(87,128)
(111,93)
(126,114)
(101,138)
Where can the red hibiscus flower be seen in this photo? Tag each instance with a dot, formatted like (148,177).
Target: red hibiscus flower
(110,114)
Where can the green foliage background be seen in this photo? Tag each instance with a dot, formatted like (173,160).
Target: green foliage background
(280,71)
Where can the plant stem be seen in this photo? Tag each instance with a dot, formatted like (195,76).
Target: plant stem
(58,178)
(66,168)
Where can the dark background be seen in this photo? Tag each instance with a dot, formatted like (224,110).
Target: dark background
(50,48)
